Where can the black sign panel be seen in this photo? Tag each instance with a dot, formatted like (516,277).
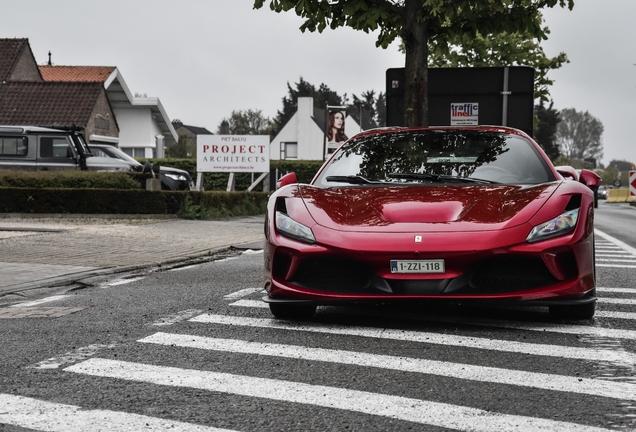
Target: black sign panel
(492,88)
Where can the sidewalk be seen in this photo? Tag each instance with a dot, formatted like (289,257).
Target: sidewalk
(56,250)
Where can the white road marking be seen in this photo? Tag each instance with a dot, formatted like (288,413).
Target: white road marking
(543,381)
(616,242)
(118,282)
(617,290)
(253,252)
(396,407)
(178,317)
(242,293)
(251,303)
(590,354)
(40,301)
(614,300)
(632,260)
(56,417)
(613,314)
(616,266)
(71,357)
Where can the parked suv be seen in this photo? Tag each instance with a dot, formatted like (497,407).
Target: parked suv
(31,148)
(171,178)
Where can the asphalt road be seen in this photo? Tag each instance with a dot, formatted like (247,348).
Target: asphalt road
(195,349)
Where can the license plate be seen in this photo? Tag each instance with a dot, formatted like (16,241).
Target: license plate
(417,266)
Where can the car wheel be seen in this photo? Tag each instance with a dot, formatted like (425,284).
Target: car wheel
(574,312)
(292,311)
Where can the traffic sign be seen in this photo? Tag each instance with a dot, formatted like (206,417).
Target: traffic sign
(632,184)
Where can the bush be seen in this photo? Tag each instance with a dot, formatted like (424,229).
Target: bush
(70,179)
(305,170)
(192,205)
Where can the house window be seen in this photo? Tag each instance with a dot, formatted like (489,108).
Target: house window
(288,150)
(136,152)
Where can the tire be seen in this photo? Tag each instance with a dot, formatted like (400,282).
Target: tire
(595,199)
(574,312)
(292,311)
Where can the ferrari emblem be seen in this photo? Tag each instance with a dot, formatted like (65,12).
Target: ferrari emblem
(418,239)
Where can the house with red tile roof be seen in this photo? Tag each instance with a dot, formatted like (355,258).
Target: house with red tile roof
(139,126)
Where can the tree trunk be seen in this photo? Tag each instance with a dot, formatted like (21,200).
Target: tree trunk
(416,67)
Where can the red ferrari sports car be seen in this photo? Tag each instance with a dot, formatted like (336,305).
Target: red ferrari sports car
(461,214)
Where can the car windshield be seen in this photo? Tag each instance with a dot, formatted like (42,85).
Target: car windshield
(464,157)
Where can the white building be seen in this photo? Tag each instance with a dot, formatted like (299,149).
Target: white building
(303,137)
(143,124)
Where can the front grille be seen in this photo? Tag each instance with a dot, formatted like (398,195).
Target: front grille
(333,274)
(507,274)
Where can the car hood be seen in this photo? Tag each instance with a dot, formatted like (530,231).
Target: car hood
(435,208)
(97,163)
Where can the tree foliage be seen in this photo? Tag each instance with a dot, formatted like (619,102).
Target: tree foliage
(502,49)
(580,135)
(545,131)
(322,95)
(248,122)
(184,148)
(373,107)
(418,23)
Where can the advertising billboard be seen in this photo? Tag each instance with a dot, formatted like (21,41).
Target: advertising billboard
(233,153)
(498,96)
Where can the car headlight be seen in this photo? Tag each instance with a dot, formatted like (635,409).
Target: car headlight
(176,177)
(290,228)
(560,225)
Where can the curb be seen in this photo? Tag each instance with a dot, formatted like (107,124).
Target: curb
(76,278)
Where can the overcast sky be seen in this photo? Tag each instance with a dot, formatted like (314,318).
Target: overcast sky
(205,58)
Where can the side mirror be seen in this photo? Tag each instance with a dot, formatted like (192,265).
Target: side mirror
(69,153)
(590,179)
(287,179)
(568,172)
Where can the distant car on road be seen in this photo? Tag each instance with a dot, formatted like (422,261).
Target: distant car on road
(171,178)
(602,192)
(433,214)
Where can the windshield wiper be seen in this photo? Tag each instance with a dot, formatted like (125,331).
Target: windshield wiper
(439,178)
(353,179)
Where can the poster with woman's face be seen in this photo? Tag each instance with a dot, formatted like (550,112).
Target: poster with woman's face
(336,128)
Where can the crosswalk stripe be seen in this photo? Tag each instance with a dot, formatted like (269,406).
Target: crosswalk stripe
(624,246)
(396,407)
(53,417)
(614,314)
(622,266)
(616,290)
(599,314)
(594,387)
(614,300)
(591,354)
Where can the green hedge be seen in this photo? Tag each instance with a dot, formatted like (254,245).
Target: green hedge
(72,179)
(305,170)
(193,204)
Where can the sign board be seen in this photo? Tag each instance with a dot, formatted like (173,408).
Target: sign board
(233,153)
(464,114)
(632,184)
(505,95)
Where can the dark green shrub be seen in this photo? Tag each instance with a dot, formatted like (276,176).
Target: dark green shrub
(69,179)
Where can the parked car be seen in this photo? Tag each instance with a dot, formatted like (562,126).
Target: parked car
(171,178)
(602,192)
(433,214)
(31,148)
